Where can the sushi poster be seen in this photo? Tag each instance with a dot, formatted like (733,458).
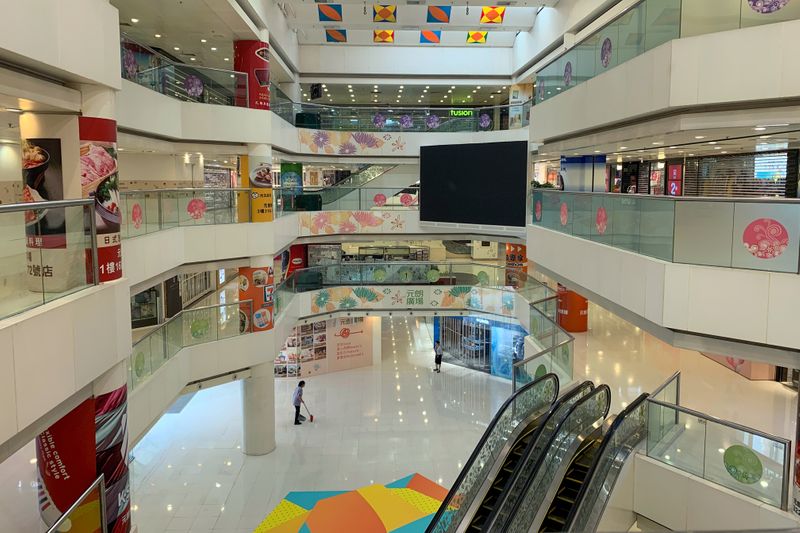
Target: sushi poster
(100,180)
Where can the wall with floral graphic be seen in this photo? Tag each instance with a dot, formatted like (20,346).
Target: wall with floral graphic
(337,222)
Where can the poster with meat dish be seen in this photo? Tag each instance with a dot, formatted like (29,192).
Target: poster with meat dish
(100,180)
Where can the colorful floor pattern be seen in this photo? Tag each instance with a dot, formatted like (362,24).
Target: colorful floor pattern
(405,506)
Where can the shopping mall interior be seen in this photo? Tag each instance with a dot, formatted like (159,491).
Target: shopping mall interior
(307,267)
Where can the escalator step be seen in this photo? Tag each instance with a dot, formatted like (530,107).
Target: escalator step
(557,518)
(567,500)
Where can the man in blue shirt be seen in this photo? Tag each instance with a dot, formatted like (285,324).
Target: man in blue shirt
(297,399)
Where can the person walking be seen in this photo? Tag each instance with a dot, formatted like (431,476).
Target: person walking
(297,399)
(437,352)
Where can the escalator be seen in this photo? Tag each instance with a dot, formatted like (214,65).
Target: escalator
(530,444)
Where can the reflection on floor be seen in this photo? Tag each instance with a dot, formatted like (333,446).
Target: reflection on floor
(372,425)
(403,506)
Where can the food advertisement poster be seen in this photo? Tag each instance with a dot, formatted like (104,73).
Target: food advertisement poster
(327,346)
(257,175)
(252,57)
(516,264)
(65,461)
(100,180)
(43,175)
(258,285)
(111,440)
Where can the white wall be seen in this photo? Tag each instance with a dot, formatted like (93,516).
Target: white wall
(154,167)
(683,73)
(745,305)
(53,351)
(76,40)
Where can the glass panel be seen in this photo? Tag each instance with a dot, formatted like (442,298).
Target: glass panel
(625,223)
(19,288)
(64,268)
(699,17)
(141,367)
(87,511)
(656,230)
(676,438)
(199,326)
(662,23)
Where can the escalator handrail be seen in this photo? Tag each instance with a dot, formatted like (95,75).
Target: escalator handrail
(541,459)
(599,457)
(481,443)
(529,449)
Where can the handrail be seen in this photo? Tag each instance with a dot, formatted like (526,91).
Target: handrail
(99,482)
(48,204)
(618,421)
(171,61)
(129,192)
(674,377)
(481,443)
(666,198)
(385,107)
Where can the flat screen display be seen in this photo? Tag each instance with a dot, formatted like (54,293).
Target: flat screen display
(482,183)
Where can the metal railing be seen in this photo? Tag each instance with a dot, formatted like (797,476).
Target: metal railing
(47,250)
(92,506)
(749,233)
(152,69)
(189,327)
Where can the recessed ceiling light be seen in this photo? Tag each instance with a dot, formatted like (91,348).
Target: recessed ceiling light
(760,128)
(427,86)
(557,89)
(424,90)
(672,147)
(712,142)
(504,86)
(158,36)
(449,91)
(419,101)
(718,148)
(597,151)
(227,59)
(176,48)
(656,143)
(765,136)
(478,87)
(134,20)
(491,96)
(203,41)
(401,86)
(452,86)
(324,86)
(698,137)
(723,152)
(374,86)
(213,48)
(623,147)
(474,91)
(691,155)
(349,86)
(192,59)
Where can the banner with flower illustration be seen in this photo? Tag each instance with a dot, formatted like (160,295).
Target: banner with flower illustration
(336,222)
(350,142)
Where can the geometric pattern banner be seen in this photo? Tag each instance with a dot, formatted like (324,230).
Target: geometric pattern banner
(439,14)
(383,36)
(330,12)
(405,506)
(336,36)
(430,36)
(476,37)
(492,15)
(382,13)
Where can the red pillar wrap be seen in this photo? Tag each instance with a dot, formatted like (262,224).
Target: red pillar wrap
(573,310)
(252,58)
(111,441)
(100,180)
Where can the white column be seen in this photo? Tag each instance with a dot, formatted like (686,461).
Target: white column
(258,409)
(293,90)
(98,101)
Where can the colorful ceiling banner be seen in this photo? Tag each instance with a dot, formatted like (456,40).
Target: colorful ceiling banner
(476,37)
(439,14)
(383,36)
(384,13)
(330,12)
(336,36)
(407,505)
(492,14)
(430,36)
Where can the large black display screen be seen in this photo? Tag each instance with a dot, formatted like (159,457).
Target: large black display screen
(474,183)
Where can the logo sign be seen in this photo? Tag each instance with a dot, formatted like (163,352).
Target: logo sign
(461,113)
(345,333)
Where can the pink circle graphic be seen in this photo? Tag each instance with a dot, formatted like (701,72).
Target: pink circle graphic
(137,216)
(767,6)
(601,220)
(196,208)
(564,214)
(537,210)
(765,238)
(406,199)
(380,199)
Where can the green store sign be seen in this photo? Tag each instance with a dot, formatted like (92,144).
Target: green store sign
(461,113)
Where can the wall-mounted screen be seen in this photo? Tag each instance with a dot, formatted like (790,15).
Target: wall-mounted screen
(482,183)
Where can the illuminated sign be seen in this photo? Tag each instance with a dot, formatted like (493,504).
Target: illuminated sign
(461,113)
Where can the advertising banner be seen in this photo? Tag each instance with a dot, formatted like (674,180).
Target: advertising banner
(516,263)
(256,174)
(65,461)
(292,177)
(111,440)
(258,285)
(675,180)
(100,180)
(252,57)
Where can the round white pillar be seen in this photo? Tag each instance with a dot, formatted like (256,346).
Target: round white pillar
(258,410)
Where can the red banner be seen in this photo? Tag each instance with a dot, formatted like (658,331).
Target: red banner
(252,58)
(100,180)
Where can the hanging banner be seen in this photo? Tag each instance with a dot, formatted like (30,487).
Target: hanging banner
(111,440)
(252,57)
(256,175)
(65,461)
(100,180)
(258,285)
(292,178)
(516,263)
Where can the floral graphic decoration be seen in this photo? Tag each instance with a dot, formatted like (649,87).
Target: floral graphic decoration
(406,122)
(605,52)
(136,215)
(321,139)
(564,214)
(193,86)
(367,140)
(601,220)
(379,120)
(765,238)
(767,6)
(398,145)
(484,121)
(406,199)
(347,148)
(347,303)
(129,62)
(196,208)
(537,210)
(379,199)
(432,122)
(347,227)
(568,74)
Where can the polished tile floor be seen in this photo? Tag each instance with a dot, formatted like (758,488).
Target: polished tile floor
(377,424)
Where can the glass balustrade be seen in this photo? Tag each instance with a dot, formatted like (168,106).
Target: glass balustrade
(647,25)
(345,198)
(88,513)
(187,328)
(46,252)
(749,233)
